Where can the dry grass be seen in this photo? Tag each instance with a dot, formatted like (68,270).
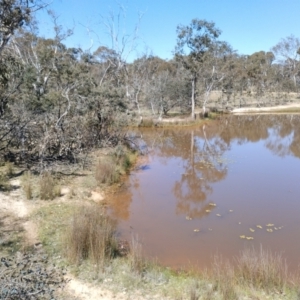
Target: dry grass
(9,169)
(138,263)
(257,271)
(106,171)
(27,185)
(91,236)
(223,279)
(262,269)
(49,189)
(6,172)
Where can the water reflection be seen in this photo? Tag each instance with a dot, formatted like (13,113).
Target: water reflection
(203,167)
(205,187)
(281,132)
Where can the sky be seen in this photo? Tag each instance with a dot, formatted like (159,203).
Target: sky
(247,25)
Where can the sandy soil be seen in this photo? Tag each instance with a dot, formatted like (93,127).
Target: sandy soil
(270,109)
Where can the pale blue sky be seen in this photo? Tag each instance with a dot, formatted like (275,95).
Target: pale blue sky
(248,26)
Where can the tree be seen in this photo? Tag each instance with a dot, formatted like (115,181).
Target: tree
(258,67)
(193,43)
(13,15)
(287,53)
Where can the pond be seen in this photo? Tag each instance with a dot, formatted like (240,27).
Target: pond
(214,189)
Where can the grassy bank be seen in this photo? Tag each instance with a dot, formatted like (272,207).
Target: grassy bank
(83,240)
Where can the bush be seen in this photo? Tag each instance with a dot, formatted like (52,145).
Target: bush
(106,171)
(48,187)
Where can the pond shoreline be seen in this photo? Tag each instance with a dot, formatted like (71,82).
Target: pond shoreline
(291,108)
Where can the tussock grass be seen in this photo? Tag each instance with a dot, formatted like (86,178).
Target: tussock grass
(9,169)
(138,263)
(106,172)
(223,279)
(262,269)
(49,189)
(91,236)
(27,185)
(254,272)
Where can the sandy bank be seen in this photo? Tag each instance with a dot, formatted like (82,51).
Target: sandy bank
(269,109)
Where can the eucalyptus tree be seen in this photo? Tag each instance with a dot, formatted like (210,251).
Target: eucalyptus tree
(194,42)
(259,72)
(287,53)
(214,70)
(165,87)
(13,15)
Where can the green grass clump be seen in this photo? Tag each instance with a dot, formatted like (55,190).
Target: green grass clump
(110,168)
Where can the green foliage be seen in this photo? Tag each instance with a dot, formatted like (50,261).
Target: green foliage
(199,37)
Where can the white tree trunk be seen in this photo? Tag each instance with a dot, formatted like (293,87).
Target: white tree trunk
(193,99)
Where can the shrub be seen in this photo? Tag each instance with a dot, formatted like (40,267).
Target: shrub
(48,187)
(123,158)
(106,171)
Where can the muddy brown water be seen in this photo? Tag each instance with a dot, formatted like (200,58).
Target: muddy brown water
(202,191)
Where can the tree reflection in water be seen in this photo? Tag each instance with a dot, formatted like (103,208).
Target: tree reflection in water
(202,150)
(203,167)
